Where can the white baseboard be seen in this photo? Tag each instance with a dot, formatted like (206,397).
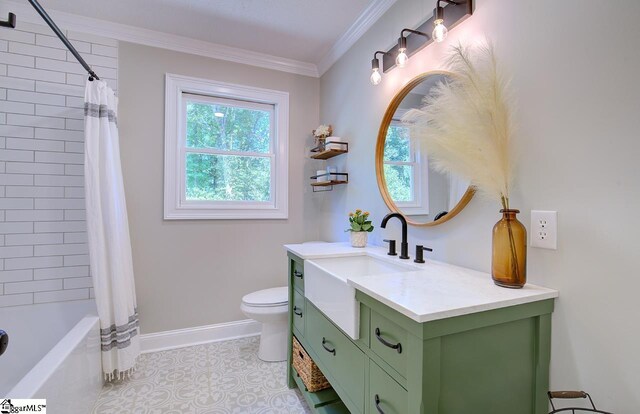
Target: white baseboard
(179,338)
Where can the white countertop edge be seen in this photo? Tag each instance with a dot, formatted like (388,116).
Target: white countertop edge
(328,250)
(335,250)
(434,316)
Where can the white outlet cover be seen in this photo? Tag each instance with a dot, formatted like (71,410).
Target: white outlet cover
(544,229)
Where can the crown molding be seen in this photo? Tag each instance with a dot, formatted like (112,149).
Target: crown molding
(363,23)
(126,33)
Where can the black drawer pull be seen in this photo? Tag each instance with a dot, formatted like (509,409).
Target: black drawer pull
(297,274)
(384,342)
(377,400)
(295,310)
(329,350)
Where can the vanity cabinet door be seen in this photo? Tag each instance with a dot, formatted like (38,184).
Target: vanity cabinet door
(297,275)
(339,358)
(298,311)
(385,394)
(389,341)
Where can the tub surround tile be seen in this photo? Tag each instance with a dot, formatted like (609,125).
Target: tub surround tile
(8,276)
(43,243)
(60,295)
(16,300)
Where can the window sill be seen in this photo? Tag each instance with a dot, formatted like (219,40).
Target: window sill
(225,214)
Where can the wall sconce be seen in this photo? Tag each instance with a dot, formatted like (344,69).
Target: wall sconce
(456,12)
(402,57)
(375,68)
(440,30)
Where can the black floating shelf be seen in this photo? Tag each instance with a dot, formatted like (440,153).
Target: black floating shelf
(321,186)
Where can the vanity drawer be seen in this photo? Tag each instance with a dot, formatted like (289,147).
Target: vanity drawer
(339,358)
(297,274)
(385,394)
(298,311)
(388,340)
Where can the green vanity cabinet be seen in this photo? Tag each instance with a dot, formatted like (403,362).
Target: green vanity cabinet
(339,358)
(493,362)
(385,393)
(305,318)
(384,333)
(298,311)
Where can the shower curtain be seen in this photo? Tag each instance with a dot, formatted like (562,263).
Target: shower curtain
(108,231)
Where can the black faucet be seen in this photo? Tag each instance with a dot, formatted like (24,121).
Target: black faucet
(404,246)
(420,249)
(392,247)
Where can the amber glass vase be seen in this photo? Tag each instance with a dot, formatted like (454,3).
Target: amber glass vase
(509,261)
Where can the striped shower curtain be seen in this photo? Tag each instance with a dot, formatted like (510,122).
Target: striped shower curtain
(108,231)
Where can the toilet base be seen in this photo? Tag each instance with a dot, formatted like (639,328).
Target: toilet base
(273,342)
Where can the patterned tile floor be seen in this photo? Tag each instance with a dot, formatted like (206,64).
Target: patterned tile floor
(221,378)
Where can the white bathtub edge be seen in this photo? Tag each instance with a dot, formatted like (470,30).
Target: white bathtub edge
(180,338)
(44,369)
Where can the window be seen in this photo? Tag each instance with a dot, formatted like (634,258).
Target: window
(405,170)
(226,154)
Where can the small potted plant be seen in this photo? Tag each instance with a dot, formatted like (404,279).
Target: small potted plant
(360,226)
(321,133)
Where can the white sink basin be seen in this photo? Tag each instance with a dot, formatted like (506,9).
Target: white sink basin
(325,285)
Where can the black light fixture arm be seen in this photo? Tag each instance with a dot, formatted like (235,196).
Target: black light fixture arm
(439,14)
(45,16)
(375,62)
(10,22)
(414,32)
(402,40)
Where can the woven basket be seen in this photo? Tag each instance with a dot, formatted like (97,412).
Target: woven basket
(307,369)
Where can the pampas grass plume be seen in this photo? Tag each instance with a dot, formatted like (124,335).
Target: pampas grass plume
(467,125)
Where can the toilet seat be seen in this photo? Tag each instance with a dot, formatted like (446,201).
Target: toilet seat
(267,298)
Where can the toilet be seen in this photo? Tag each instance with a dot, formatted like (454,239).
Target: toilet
(269,307)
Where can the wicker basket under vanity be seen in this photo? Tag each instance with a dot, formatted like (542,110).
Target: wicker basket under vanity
(308,371)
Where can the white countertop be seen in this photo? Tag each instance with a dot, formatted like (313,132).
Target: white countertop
(436,290)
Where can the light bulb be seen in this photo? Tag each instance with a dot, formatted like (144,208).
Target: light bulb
(401,59)
(375,77)
(439,31)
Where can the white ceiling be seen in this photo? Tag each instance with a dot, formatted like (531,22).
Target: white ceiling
(303,30)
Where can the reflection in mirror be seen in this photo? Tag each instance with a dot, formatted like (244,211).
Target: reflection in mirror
(419,192)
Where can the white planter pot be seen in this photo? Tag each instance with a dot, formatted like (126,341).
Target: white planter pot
(359,238)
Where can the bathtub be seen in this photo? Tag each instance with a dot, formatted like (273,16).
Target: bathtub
(53,353)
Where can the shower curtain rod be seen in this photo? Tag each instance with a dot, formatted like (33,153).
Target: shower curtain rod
(63,38)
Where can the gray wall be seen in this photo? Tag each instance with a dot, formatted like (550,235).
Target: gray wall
(575,77)
(193,273)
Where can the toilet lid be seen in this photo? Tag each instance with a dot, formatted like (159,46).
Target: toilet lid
(267,297)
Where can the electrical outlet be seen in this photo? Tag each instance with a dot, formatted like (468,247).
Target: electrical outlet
(544,229)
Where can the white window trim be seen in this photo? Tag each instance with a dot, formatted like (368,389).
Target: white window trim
(175,206)
(420,163)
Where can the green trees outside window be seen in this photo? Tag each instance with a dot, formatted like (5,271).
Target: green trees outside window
(229,152)
(399,164)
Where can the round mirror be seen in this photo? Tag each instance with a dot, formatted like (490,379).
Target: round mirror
(424,196)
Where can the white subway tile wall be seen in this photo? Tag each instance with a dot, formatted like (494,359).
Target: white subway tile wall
(43,240)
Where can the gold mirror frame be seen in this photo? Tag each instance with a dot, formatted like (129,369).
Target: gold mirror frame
(382,136)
